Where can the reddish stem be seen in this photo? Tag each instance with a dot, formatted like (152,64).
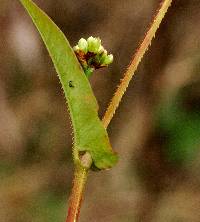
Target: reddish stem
(75,201)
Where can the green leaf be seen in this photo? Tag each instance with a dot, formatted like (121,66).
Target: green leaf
(89,133)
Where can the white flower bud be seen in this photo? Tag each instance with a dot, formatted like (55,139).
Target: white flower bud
(83,45)
(101,49)
(93,44)
(76,48)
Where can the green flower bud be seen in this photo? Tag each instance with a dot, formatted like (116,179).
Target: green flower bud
(93,44)
(83,45)
(103,56)
(108,60)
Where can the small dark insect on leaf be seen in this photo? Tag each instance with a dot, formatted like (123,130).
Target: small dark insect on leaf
(71,84)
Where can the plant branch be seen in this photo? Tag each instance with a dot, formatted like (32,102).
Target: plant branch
(165,4)
(80,175)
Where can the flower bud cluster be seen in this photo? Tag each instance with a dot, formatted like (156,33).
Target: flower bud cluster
(92,55)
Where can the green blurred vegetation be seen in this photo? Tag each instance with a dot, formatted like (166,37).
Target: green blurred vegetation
(179,120)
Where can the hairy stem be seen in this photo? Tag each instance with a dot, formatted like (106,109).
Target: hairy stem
(135,62)
(81,173)
(80,177)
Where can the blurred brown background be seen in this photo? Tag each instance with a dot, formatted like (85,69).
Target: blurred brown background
(156,130)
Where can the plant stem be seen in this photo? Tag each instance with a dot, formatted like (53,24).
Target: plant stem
(80,175)
(165,4)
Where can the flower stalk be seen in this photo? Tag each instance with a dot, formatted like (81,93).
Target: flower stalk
(165,4)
